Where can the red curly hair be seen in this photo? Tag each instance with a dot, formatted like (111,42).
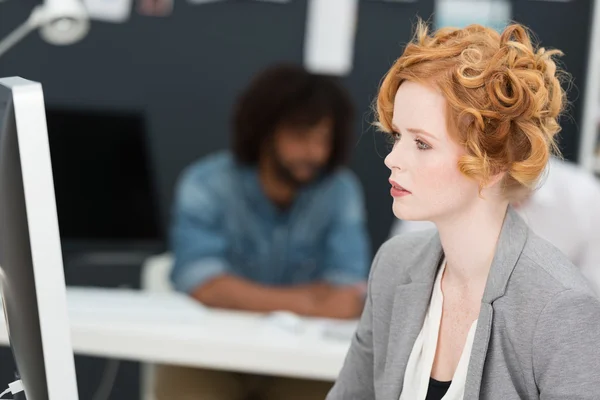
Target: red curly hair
(504,97)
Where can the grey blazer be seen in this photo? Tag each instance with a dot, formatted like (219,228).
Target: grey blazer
(538,335)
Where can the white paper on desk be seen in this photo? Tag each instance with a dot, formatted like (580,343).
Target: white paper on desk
(132,306)
(339,330)
(317,328)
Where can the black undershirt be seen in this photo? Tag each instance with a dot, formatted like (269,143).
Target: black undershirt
(437,389)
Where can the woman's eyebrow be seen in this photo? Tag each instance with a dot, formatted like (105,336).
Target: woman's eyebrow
(421,132)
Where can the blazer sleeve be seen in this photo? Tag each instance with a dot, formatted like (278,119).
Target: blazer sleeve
(566,351)
(356,381)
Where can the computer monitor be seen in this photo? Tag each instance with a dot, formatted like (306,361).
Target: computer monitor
(33,283)
(103,176)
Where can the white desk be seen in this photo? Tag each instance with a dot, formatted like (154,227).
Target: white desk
(173,329)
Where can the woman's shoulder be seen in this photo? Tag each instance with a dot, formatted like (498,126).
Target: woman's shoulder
(542,282)
(542,267)
(399,254)
(551,297)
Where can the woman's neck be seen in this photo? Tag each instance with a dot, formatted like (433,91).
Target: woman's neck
(469,242)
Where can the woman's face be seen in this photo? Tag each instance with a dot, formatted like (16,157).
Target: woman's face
(426,182)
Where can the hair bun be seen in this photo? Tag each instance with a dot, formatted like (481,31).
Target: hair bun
(521,81)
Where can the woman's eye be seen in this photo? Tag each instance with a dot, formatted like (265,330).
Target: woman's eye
(396,136)
(421,145)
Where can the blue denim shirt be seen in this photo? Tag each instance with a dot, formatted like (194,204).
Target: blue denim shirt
(224,223)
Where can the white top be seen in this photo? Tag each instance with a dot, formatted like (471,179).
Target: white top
(565,211)
(420,362)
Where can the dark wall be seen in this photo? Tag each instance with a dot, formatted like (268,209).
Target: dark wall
(186,70)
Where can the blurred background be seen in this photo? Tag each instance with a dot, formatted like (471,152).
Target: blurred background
(142,97)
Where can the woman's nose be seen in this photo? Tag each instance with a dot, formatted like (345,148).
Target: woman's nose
(393,159)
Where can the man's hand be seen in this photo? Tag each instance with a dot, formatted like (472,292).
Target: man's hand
(324,300)
(344,302)
(317,299)
(318,291)
(231,292)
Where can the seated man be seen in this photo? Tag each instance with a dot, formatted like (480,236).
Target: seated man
(278,223)
(565,211)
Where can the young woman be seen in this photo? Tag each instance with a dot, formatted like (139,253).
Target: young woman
(484,309)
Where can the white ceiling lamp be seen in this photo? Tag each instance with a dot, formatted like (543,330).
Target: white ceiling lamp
(61,22)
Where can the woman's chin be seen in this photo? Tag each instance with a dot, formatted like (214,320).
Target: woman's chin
(401,211)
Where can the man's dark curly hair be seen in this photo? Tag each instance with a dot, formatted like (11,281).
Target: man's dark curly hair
(289,95)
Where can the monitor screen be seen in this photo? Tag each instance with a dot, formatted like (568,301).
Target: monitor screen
(102,175)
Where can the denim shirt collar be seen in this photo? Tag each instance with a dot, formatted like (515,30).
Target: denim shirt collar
(253,189)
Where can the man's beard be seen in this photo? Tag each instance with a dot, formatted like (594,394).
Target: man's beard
(286,174)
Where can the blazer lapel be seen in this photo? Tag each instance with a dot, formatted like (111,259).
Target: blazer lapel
(510,246)
(478,352)
(410,306)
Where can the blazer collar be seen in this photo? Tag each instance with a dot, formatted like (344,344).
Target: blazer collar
(425,263)
(511,242)
(510,246)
